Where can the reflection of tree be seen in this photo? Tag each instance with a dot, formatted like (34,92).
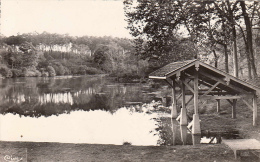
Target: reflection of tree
(53,96)
(165,131)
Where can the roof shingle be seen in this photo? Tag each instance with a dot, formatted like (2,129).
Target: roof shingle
(170,68)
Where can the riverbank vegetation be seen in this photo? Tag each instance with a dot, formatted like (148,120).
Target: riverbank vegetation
(48,54)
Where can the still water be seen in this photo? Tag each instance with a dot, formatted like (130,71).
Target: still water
(85,109)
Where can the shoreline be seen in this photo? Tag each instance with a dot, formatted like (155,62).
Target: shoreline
(45,151)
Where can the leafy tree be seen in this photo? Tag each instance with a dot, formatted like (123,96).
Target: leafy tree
(51,71)
(154,25)
(14,40)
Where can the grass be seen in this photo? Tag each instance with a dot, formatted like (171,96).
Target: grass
(93,152)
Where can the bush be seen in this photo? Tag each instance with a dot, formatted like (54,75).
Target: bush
(91,70)
(17,72)
(51,71)
(59,68)
(67,71)
(45,74)
(33,73)
(6,72)
(82,69)
(24,72)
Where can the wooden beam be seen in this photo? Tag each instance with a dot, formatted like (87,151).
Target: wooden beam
(196,92)
(203,104)
(230,76)
(178,118)
(221,97)
(189,100)
(247,104)
(174,102)
(187,85)
(235,88)
(207,84)
(254,110)
(231,103)
(177,83)
(179,96)
(184,121)
(234,107)
(156,77)
(227,79)
(213,87)
(168,82)
(183,95)
(212,93)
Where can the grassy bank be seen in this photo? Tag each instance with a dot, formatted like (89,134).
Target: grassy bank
(93,152)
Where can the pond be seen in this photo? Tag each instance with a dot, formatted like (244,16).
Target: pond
(86,109)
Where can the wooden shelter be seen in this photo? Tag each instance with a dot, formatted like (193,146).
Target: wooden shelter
(202,81)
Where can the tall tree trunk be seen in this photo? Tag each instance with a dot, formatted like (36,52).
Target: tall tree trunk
(215,59)
(235,59)
(249,38)
(247,54)
(249,66)
(226,58)
(234,38)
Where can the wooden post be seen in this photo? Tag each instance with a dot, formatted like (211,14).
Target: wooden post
(234,105)
(196,121)
(174,102)
(218,105)
(196,92)
(184,120)
(254,109)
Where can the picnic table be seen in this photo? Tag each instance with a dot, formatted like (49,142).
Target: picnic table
(238,145)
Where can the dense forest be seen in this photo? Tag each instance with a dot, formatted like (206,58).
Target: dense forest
(51,54)
(48,54)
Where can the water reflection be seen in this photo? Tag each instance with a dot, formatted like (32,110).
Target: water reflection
(85,110)
(97,126)
(53,96)
(174,130)
(184,133)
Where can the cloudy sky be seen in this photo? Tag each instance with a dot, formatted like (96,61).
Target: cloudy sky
(75,17)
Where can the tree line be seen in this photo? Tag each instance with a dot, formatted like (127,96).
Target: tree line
(51,54)
(227,32)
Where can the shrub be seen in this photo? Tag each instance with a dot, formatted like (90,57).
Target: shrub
(38,73)
(82,69)
(67,71)
(6,72)
(17,73)
(59,69)
(73,69)
(24,72)
(45,74)
(33,73)
(51,71)
(91,70)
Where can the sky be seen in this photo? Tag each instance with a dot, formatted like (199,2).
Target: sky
(73,17)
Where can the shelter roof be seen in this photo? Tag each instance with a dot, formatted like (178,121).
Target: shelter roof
(207,74)
(171,67)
